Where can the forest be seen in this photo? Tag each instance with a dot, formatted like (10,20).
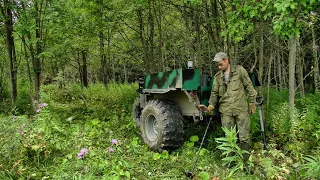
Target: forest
(68,80)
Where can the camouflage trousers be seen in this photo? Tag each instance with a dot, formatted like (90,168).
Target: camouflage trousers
(243,125)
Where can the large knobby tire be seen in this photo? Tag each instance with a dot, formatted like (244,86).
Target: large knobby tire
(162,125)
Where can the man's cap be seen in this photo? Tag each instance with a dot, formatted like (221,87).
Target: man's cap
(220,56)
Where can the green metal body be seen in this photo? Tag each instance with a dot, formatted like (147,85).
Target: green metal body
(188,79)
(178,79)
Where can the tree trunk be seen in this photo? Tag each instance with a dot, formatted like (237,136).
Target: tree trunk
(151,36)
(300,69)
(84,68)
(315,62)
(255,53)
(198,60)
(212,37)
(284,65)
(103,60)
(160,45)
(269,80)
(275,72)
(125,72)
(226,42)
(292,63)
(28,71)
(78,60)
(7,13)
(39,50)
(109,51)
(261,47)
(143,42)
(279,64)
(216,18)
(113,70)
(236,53)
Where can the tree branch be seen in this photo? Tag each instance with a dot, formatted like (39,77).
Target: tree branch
(304,79)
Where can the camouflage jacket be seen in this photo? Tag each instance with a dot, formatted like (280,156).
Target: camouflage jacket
(232,97)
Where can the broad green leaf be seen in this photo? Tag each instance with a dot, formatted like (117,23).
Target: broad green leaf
(194,138)
(156,156)
(95,122)
(189,144)
(293,5)
(203,151)
(134,142)
(204,176)
(165,154)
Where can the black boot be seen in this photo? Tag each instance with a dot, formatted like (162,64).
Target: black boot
(245,146)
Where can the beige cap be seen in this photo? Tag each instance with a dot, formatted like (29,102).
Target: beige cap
(220,56)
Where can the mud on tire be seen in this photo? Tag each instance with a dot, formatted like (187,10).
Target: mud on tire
(162,125)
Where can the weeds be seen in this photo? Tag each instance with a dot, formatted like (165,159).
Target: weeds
(88,133)
(231,152)
(311,167)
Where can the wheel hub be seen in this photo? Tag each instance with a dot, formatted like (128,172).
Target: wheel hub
(151,127)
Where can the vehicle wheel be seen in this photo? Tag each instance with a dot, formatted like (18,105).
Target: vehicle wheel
(162,125)
(136,112)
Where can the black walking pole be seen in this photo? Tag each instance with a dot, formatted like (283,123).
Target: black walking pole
(190,173)
(259,102)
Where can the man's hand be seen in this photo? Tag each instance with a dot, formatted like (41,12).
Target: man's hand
(253,108)
(210,108)
(207,110)
(203,108)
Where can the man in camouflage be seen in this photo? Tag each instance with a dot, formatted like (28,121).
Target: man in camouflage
(230,86)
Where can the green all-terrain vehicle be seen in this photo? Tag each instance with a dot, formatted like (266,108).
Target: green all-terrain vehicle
(164,100)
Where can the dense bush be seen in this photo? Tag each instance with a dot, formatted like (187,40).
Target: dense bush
(96,101)
(300,134)
(23,103)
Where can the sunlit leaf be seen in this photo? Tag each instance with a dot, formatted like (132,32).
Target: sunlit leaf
(194,138)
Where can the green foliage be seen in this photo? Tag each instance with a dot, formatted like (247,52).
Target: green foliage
(96,101)
(4,92)
(311,167)
(23,103)
(46,145)
(193,2)
(191,141)
(5,104)
(204,176)
(231,151)
(309,108)
(274,163)
(164,155)
(288,13)
(299,134)
(12,154)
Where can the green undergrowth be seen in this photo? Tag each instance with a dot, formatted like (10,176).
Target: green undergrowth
(98,120)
